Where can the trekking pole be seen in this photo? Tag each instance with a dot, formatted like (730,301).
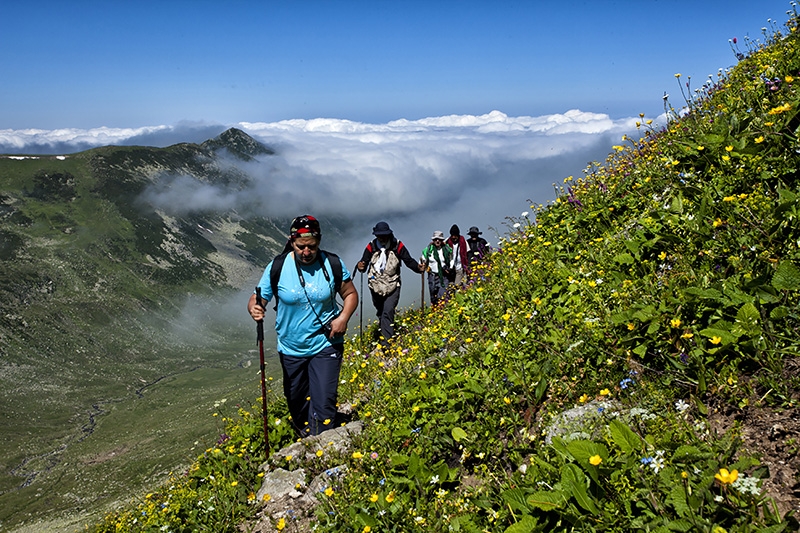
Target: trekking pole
(361,310)
(260,341)
(422,291)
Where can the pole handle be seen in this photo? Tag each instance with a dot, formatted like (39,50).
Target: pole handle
(259,323)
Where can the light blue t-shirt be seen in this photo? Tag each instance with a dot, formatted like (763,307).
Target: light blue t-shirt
(303,310)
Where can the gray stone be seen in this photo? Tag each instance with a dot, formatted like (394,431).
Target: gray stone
(279,483)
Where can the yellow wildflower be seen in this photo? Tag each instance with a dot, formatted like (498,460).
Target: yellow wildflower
(357,455)
(373,498)
(716,340)
(366,529)
(390,497)
(687,335)
(605,392)
(675,322)
(329,492)
(725,477)
(320,453)
(631,326)
(729,148)
(595,460)
(281,524)
(759,139)
(507,400)
(584,398)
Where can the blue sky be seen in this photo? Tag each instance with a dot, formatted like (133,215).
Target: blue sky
(423,114)
(128,64)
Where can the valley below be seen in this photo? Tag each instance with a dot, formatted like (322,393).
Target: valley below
(63,470)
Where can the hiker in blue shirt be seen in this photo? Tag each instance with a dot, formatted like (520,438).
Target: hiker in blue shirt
(309,325)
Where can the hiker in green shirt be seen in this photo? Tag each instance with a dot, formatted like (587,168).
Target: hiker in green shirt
(438,259)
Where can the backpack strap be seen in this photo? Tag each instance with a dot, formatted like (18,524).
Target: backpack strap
(275,274)
(336,266)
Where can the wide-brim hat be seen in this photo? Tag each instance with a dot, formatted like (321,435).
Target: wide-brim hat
(473,230)
(437,235)
(381,229)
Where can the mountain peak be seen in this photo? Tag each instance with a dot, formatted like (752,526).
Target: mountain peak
(238,143)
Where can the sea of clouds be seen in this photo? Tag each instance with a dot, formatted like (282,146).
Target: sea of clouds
(418,175)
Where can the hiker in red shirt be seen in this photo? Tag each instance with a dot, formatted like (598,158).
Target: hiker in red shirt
(460,264)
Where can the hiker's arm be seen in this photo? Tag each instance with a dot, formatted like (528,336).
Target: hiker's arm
(365,257)
(349,296)
(410,262)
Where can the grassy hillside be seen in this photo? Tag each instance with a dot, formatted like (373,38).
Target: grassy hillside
(628,361)
(102,302)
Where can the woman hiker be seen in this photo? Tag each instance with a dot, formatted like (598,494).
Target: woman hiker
(309,324)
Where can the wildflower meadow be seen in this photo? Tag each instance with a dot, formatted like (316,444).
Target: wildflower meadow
(574,384)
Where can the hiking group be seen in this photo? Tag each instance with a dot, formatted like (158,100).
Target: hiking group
(309,322)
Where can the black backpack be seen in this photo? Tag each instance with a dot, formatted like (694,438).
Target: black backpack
(336,266)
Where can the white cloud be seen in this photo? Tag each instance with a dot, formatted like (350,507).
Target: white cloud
(419,175)
(427,166)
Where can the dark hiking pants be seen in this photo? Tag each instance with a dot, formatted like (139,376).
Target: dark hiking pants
(310,385)
(386,307)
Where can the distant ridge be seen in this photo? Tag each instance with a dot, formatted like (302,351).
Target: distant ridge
(238,144)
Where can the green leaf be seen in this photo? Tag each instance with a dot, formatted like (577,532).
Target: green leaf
(624,437)
(677,205)
(526,524)
(574,480)
(677,497)
(748,318)
(624,259)
(516,499)
(705,294)
(787,277)
(548,500)
(687,453)
(640,350)
(458,434)
(779,313)
(582,450)
(721,329)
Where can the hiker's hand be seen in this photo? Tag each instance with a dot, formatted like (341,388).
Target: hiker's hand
(360,266)
(257,312)
(338,327)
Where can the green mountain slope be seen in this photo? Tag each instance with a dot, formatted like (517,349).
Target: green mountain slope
(102,297)
(628,361)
